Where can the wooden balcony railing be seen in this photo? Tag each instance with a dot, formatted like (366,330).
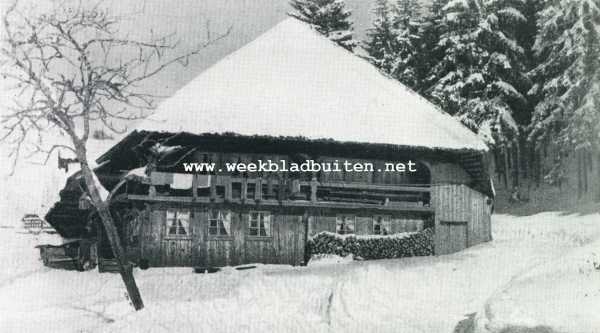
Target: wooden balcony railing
(293,192)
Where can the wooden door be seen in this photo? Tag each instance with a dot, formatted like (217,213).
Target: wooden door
(452,237)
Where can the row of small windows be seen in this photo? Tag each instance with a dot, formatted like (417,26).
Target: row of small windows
(345,224)
(259,223)
(219,223)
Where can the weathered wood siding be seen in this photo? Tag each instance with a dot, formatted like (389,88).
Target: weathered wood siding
(459,208)
(284,246)
(461,219)
(151,236)
(451,236)
(480,224)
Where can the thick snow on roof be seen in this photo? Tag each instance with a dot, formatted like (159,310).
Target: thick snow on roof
(291,81)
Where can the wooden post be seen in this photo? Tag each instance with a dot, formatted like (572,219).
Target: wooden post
(244,189)
(270,187)
(295,187)
(258,189)
(313,189)
(194,187)
(305,220)
(228,189)
(152,191)
(213,187)
(281,190)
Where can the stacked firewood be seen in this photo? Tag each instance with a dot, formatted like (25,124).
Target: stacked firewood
(373,246)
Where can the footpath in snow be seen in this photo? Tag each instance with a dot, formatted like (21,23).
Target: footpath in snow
(426,294)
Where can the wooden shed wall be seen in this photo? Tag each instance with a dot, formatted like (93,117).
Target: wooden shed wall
(462,217)
(481,219)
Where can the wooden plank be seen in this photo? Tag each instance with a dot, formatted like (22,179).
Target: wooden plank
(270,189)
(453,237)
(194,186)
(258,189)
(313,190)
(213,187)
(228,189)
(244,192)
(200,219)
(286,203)
(424,189)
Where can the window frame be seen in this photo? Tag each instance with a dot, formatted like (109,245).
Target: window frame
(187,228)
(384,219)
(221,213)
(258,236)
(340,217)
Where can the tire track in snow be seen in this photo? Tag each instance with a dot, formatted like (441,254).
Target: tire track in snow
(571,243)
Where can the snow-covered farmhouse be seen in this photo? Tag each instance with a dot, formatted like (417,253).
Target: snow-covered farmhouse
(290,95)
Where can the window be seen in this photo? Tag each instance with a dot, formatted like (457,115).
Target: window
(259,224)
(219,223)
(178,223)
(344,224)
(382,225)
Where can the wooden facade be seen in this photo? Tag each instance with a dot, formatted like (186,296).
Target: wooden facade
(229,219)
(283,243)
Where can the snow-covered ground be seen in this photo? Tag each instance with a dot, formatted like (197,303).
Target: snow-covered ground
(428,294)
(559,295)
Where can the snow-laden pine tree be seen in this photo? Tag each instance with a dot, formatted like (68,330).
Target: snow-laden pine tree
(393,43)
(381,44)
(567,78)
(329,17)
(480,78)
(431,51)
(409,65)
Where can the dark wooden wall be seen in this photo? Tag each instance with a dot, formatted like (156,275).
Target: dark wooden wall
(285,246)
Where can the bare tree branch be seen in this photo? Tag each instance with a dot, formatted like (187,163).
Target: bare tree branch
(76,70)
(71,69)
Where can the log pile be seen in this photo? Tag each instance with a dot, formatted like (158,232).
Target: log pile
(372,246)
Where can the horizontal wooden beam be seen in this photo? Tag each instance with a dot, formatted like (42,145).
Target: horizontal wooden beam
(284,203)
(379,187)
(222,180)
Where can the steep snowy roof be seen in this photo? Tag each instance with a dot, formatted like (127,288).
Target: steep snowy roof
(291,81)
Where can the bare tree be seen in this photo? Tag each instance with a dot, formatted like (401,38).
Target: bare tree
(72,69)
